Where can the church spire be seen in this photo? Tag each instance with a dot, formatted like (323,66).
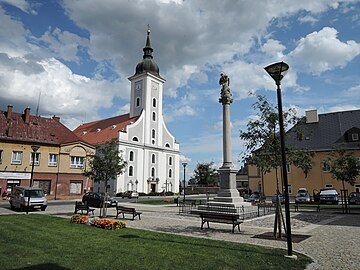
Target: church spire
(147,64)
(147,49)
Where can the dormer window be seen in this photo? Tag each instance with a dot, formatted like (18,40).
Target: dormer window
(355,136)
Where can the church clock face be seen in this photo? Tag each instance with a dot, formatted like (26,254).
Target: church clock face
(154,86)
(138,86)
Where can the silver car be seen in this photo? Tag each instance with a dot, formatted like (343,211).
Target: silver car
(302,197)
(19,198)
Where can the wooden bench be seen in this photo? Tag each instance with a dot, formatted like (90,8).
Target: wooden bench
(307,205)
(228,218)
(79,206)
(127,210)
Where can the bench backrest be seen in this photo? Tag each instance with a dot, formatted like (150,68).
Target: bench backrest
(220,216)
(123,208)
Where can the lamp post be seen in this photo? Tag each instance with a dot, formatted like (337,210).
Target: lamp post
(35,148)
(277,71)
(184,164)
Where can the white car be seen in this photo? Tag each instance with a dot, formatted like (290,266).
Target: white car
(19,198)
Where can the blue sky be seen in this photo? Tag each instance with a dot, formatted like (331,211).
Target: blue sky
(79,54)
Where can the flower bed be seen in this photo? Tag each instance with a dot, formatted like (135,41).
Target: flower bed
(107,224)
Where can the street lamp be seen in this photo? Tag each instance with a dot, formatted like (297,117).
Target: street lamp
(277,71)
(184,164)
(35,148)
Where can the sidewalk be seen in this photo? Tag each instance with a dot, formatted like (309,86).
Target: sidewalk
(332,239)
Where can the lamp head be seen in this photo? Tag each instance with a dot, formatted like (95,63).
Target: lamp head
(277,71)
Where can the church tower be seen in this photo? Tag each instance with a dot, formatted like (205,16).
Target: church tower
(151,152)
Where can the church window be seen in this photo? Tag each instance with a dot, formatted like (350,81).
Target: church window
(137,102)
(154,116)
(152,172)
(131,156)
(154,102)
(135,139)
(167,145)
(170,173)
(170,160)
(153,133)
(153,158)
(131,171)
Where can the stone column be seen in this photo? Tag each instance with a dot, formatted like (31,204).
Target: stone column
(228,192)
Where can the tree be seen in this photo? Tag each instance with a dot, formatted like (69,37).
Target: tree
(262,140)
(106,164)
(205,174)
(344,167)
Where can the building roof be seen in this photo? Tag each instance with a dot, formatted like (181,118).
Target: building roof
(26,128)
(101,131)
(331,130)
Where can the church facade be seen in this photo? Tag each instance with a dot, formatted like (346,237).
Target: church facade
(149,148)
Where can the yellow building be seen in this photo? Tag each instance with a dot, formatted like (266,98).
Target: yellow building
(60,159)
(319,134)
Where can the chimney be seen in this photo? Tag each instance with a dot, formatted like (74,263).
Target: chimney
(311,116)
(56,118)
(9,112)
(27,115)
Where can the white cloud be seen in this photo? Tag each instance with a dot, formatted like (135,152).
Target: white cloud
(20,4)
(273,48)
(64,44)
(321,51)
(308,19)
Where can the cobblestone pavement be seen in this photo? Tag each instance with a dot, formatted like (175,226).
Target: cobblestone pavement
(333,242)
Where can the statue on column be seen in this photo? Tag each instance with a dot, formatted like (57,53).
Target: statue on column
(225,95)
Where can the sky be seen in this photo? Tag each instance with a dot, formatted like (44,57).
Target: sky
(77,57)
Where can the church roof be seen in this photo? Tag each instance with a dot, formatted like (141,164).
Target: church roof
(147,64)
(26,128)
(102,131)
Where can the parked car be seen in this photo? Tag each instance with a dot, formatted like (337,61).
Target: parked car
(130,194)
(354,198)
(97,199)
(302,197)
(256,197)
(328,196)
(20,195)
(281,197)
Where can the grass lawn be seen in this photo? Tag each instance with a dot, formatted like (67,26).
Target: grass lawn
(157,202)
(46,242)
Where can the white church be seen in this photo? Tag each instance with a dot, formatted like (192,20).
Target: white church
(150,150)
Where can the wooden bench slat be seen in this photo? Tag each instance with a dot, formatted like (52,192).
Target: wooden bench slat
(122,210)
(227,218)
(79,206)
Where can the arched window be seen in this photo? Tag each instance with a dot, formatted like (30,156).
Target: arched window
(167,145)
(154,116)
(131,171)
(154,102)
(135,139)
(153,172)
(153,133)
(170,160)
(153,158)
(170,173)
(137,102)
(131,156)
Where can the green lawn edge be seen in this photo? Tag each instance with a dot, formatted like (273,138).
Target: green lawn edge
(47,242)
